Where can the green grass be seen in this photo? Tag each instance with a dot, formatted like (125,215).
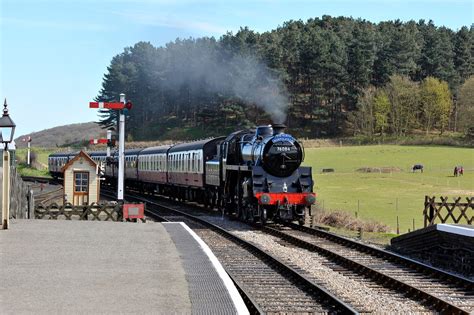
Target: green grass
(29,171)
(42,162)
(374,196)
(41,155)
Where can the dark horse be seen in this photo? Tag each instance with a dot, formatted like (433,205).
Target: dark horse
(417,167)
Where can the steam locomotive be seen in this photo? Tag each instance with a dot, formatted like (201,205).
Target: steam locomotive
(252,175)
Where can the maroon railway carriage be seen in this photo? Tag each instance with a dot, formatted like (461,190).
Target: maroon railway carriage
(187,167)
(152,168)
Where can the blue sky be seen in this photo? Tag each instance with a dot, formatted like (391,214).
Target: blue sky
(54,53)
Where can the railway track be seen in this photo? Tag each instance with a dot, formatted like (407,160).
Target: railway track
(267,284)
(48,196)
(442,291)
(44,196)
(44,180)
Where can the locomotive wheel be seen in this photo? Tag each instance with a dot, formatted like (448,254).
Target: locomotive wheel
(213,200)
(263,216)
(243,213)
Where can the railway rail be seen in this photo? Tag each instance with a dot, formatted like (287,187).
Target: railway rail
(267,284)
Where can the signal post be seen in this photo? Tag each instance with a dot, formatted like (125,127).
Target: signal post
(120,106)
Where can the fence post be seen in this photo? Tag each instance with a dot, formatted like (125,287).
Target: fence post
(432,211)
(425,212)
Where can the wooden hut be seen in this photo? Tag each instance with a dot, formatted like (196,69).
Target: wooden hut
(81,180)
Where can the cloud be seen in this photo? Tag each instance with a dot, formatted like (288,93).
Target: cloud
(171,21)
(62,25)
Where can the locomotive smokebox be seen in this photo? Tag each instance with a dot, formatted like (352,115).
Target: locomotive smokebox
(278,129)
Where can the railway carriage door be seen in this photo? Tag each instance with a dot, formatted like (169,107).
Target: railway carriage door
(81,188)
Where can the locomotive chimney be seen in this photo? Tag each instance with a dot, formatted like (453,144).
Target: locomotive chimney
(278,129)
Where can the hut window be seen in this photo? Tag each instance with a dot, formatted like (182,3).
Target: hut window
(81,182)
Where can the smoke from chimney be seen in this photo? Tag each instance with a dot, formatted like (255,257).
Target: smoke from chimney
(240,76)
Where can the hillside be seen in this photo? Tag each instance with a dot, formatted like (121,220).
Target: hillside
(67,135)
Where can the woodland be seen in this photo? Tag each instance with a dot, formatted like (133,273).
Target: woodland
(324,77)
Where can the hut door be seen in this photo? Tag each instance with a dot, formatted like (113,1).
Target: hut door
(81,188)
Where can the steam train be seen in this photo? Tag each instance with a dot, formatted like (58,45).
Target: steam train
(252,175)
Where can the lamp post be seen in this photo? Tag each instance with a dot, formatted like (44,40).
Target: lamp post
(7,130)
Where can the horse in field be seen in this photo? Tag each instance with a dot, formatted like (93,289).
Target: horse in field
(417,167)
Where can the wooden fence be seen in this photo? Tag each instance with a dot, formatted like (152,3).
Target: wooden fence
(21,196)
(448,212)
(93,212)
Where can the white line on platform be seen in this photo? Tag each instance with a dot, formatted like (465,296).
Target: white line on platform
(234,294)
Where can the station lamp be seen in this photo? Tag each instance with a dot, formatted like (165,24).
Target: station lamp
(7,130)
(7,127)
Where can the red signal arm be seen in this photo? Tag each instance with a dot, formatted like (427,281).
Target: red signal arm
(98,141)
(116,105)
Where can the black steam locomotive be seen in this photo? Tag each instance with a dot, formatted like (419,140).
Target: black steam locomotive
(251,175)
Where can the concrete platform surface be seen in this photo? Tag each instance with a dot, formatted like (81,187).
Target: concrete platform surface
(70,267)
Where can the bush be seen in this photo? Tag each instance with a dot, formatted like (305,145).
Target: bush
(342,219)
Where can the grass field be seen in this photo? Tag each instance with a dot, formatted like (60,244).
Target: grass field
(376,196)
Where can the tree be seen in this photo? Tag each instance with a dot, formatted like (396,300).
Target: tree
(466,105)
(403,96)
(463,60)
(437,59)
(381,105)
(361,56)
(363,119)
(436,103)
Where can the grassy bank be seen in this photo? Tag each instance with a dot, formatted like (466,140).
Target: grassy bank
(383,196)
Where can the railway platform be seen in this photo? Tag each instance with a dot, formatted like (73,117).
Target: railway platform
(447,246)
(49,266)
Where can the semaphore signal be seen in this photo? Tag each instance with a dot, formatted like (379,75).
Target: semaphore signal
(121,107)
(98,141)
(111,105)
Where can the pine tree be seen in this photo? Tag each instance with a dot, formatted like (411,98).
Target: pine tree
(463,59)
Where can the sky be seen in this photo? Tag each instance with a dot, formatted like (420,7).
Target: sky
(54,53)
